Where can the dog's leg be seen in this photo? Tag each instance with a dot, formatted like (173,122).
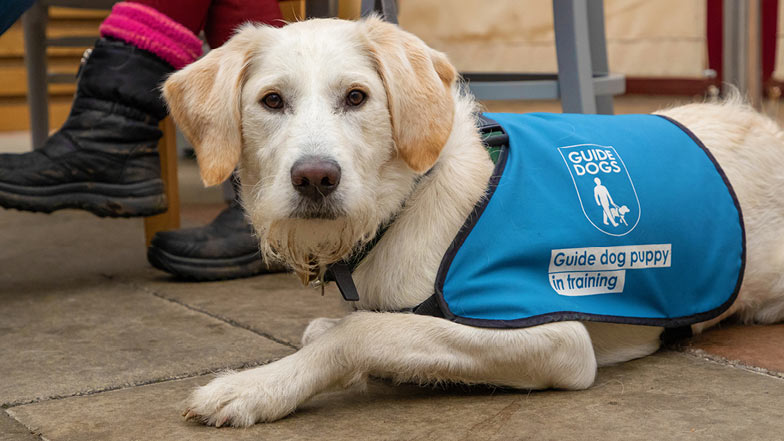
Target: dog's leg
(317,327)
(413,348)
(406,348)
(614,343)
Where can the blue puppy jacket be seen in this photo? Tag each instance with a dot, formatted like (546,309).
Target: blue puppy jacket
(624,219)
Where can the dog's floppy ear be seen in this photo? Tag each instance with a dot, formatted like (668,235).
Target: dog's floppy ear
(418,82)
(204,100)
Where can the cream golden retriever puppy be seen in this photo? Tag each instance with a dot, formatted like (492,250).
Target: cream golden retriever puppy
(366,109)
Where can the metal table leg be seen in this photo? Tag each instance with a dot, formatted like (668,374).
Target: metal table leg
(741,64)
(572,42)
(598,45)
(387,9)
(321,8)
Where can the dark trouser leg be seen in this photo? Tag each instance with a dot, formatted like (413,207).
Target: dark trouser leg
(226,248)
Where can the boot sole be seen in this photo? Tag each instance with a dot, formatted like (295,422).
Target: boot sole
(202,270)
(104,200)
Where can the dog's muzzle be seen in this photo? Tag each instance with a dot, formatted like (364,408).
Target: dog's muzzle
(315,179)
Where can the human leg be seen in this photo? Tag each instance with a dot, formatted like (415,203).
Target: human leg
(226,248)
(226,15)
(104,158)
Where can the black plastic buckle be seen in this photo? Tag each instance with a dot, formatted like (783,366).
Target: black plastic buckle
(341,273)
(493,135)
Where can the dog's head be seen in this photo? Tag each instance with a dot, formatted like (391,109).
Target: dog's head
(330,122)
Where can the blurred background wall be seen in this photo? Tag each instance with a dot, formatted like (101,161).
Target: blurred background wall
(644,38)
(663,46)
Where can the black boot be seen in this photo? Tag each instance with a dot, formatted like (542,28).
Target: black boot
(104,159)
(224,249)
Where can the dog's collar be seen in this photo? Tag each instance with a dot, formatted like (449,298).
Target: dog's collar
(493,138)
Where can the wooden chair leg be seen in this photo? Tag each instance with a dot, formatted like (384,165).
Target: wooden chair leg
(167,150)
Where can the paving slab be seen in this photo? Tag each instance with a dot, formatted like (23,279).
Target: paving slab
(276,305)
(81,339)
(755,346)
(666,396)
(12,430)
(71,326)
(40,252)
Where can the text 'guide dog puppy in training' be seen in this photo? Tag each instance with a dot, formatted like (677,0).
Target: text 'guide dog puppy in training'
(522,251)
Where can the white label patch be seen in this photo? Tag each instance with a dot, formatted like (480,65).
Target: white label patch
(602,270)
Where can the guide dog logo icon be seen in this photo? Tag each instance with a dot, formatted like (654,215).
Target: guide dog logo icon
(604,187)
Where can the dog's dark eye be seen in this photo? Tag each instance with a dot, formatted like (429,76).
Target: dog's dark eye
(273,101)
(355,97)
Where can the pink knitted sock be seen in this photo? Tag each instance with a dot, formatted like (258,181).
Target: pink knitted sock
(148,29)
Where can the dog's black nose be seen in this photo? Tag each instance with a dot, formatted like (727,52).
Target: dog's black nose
(315,177)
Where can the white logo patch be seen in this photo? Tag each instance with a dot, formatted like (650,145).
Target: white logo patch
(604,187)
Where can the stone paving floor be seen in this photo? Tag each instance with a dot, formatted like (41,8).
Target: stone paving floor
(96,345)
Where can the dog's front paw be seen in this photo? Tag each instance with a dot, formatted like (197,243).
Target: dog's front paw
(240,400)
